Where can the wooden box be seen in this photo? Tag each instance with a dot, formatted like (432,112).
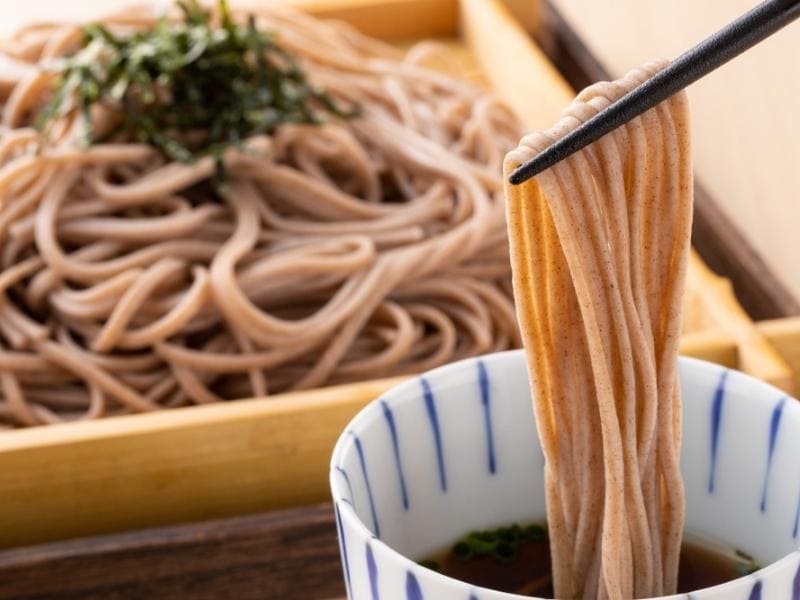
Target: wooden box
(251,456)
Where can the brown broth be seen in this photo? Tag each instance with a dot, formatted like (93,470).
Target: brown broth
(528,572)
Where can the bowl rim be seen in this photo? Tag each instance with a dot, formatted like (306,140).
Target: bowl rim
(346,511)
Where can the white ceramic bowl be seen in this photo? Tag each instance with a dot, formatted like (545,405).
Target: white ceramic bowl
(456,450)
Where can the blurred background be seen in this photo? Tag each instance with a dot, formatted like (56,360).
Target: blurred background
(746,128)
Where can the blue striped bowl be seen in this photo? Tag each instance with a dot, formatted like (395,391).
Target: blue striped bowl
(456,450)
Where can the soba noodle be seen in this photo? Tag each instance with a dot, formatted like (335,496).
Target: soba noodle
(599,252)
(357,249)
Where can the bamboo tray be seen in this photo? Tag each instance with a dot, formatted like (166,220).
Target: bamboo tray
(241,457)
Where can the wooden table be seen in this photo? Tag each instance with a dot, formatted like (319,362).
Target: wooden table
(285,555)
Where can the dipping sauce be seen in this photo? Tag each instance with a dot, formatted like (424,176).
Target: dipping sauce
(516,559)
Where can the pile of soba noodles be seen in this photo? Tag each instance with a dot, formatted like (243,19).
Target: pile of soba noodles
(360,247)
(599,249)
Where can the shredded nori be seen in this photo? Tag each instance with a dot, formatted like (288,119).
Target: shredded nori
(502,544)
(190,88)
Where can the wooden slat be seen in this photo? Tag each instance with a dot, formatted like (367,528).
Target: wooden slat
(757,355)
(529,13)
(518,70)
(174,466)
(714,346)
(385,19)
(291,555)
(784,334)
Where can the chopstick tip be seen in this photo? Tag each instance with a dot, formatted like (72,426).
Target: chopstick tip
(518,176)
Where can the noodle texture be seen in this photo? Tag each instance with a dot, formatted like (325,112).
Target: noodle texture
(599,252)
(359,248)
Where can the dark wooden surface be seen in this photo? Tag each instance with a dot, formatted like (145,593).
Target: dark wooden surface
(288,555)
(721,243)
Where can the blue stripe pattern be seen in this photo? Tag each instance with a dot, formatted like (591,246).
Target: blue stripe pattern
(796,519)
(349,485)
(372,569)
(387,412)
(483,381)
(774,424)
(413,591)
(716,417)
(718,414)
(430,405)
(363,462)
(343,549)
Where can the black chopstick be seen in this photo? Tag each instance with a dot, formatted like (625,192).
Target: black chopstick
(743,33)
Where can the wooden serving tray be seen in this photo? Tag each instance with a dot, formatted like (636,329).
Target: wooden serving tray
(206,462)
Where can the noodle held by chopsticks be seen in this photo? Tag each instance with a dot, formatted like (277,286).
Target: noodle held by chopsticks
(357,248)
(599,251)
